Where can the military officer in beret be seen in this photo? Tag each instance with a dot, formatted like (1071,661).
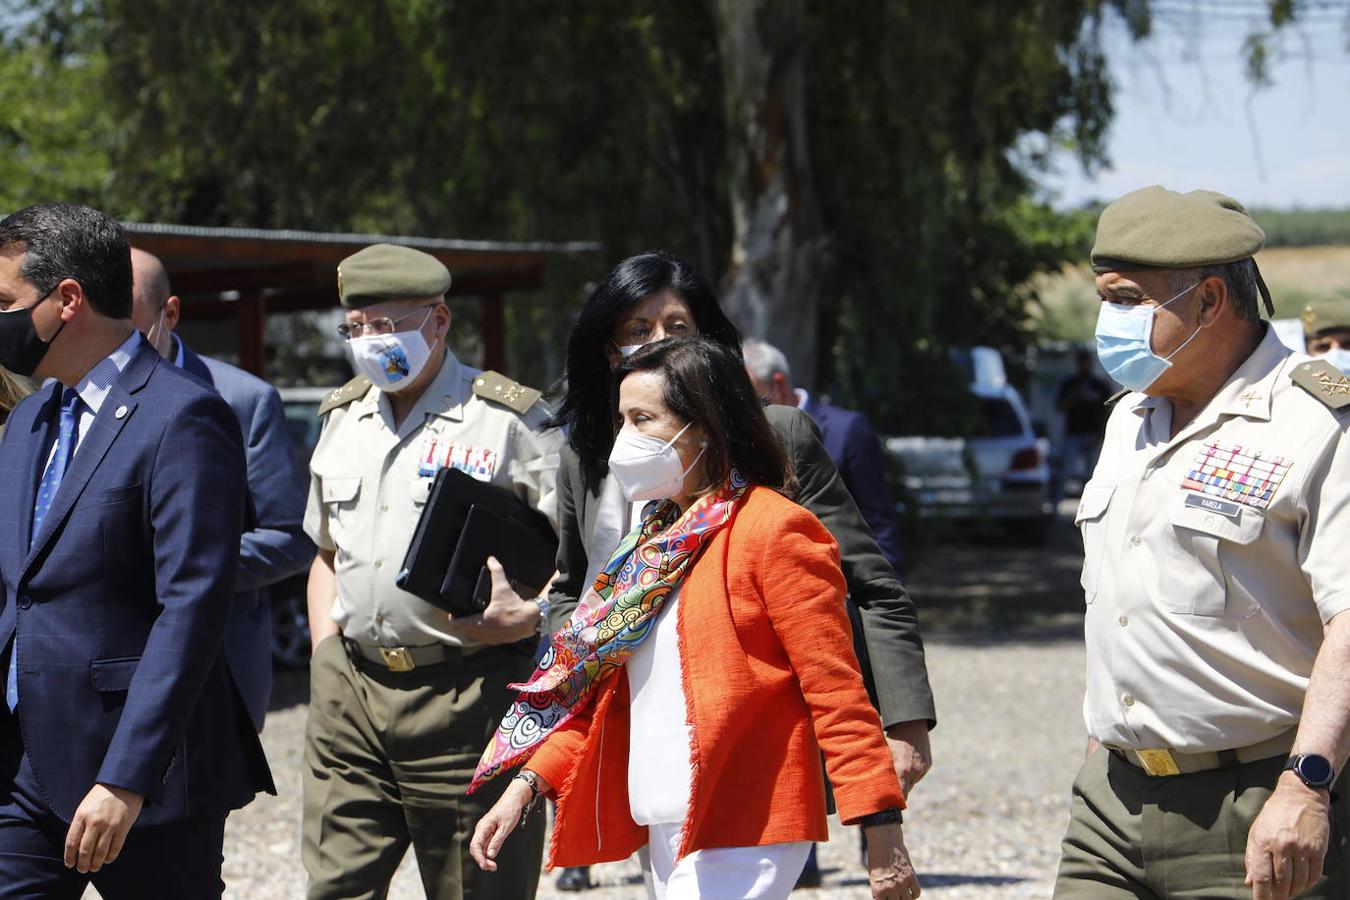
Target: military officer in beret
(402,699)
(1326,329)
(1216,530)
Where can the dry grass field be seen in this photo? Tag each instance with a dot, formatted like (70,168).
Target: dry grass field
(1294,275)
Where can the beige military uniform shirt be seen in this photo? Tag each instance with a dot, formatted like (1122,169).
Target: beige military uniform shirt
(1212,560)
(370,481)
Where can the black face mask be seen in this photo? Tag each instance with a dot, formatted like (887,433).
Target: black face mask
(21,350)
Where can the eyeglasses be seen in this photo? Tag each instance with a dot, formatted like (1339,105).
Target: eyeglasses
(376,327)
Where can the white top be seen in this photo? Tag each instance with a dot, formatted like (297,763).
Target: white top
(660,775)
(1213,558)
(94,389)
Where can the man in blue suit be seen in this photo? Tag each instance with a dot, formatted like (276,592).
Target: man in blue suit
(856,452)
(848,438)
(124,743)
(275,546)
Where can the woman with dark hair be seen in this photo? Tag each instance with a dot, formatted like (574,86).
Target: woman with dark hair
(644,298)
(685,704)
(12,390)
(655,295)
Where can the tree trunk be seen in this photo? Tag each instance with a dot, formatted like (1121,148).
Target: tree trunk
(779,255)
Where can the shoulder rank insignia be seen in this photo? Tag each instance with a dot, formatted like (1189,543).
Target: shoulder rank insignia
(352,390)
(498,388)
(1324,381)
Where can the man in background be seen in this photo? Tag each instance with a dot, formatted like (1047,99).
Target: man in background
(1326,329)
(853,446)
(848,437)
(1082,401)
(274,546)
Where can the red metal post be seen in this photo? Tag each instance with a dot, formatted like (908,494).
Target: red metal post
(494,332)
(250,319)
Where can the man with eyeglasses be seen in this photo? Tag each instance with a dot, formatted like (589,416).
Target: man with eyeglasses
(402,698)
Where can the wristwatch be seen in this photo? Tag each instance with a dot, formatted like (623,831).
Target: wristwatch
(544,607)
(889,816)
(1313,770)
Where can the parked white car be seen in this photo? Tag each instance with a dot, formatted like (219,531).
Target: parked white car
(999,474)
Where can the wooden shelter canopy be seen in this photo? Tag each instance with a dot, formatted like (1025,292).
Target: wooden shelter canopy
(245,273)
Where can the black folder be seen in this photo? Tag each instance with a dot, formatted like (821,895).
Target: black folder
(463,523)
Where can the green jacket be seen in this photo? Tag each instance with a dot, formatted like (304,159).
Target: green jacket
(890,648)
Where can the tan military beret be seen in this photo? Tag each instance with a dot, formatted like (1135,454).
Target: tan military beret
(1155,228)
(388,272)
(1326,314)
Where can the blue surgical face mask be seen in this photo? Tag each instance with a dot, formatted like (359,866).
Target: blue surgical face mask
(1338,357)
(1125,343)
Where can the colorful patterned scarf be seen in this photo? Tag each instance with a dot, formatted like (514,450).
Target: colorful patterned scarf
(616,614)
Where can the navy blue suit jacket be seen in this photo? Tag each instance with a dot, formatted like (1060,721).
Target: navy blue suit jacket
(121,602)
(853,445)
(274,546)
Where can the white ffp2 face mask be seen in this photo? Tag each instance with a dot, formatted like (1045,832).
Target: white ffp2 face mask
(648,468)
(391,361)
(1338,357)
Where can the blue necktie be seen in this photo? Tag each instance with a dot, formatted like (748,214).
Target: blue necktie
(66,436)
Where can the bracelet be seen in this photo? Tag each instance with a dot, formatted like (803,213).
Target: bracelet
(532,780)
(544,607)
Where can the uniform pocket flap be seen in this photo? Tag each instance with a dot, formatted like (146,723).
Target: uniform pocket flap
(544,463)
(113,674)
(340,488)
(1096,498)
(1222,519)
(116,495)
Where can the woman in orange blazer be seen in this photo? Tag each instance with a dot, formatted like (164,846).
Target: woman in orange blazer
(685,705)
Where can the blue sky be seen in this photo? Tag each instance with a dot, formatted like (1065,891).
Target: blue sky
(1186,117)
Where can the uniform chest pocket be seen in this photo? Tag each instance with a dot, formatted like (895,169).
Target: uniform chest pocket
(1205,533)
(1091,521)
(340,494)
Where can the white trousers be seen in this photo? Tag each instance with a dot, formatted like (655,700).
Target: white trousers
(723,873)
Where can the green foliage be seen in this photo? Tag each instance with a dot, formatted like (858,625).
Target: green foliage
(53,131)
(921,117)
(1304,227)
(928,125)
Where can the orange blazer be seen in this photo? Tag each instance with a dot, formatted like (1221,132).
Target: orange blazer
(769,680)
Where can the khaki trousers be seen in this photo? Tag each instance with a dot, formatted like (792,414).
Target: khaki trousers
(1133,835)
(388,761)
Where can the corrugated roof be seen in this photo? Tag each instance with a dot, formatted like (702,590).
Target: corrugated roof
(339,238)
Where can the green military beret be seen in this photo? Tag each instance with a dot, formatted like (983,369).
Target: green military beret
(388,272)
(1326,314)
(1155,228)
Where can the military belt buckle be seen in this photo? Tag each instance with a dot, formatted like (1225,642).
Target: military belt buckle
(397,659)
(1158,763)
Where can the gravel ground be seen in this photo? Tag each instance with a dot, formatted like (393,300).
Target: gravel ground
(985,824)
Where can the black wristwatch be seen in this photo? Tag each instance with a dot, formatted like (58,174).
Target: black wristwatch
(1313,770)
(891,816)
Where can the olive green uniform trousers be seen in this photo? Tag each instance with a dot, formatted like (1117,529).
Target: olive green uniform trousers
(388,761)
(1185,836)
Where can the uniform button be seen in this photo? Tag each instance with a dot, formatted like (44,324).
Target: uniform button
(379,563)
(1129,701)
(1123,620)
(379,620)
(1210,520)
(1136,540)
(25,601)
(384,507)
